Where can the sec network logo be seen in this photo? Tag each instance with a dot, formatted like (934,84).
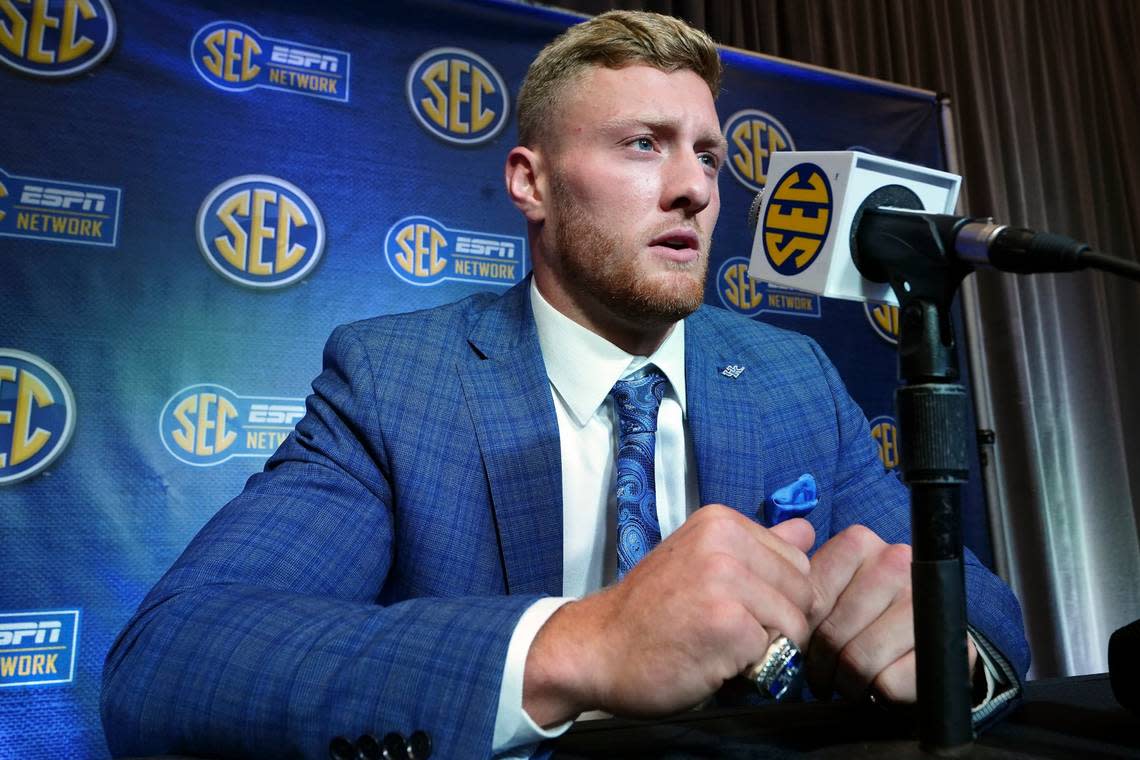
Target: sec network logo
(457,96)
(60,211)
(260,231)
(207,424)
(38,648)
(234,57)
(421,251)
(55,38)
(37,415)
(886,435)
(741,293)
(753,136)
(797,219)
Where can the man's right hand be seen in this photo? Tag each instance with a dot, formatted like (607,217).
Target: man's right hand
(693,613)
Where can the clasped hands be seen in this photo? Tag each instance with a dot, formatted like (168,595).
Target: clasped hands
(704,605)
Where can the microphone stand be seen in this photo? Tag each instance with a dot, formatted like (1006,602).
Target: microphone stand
(907,251)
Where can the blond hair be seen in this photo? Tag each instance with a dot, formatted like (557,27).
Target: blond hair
(615,39)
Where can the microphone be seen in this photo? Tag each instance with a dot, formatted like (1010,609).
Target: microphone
(827,221)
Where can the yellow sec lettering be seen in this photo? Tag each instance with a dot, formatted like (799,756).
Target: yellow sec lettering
(740,289)
(204,423)
(419,242)
(457,97)
(436,105)
(886,436)
(3,190)
(887,317)
(289,215)
(69,47)
(41,22)
(225,437)
(234,252)
(213,43)
(794,220)
(816,191)
(224,57)
(803,248)
(185,436)
(25,442)
(259,231)
(744,157)
(250,48)
(481,85)
(13,35)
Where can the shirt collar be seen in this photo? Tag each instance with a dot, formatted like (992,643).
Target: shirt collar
(583,366)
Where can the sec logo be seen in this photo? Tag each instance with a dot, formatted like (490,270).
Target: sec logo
(260,231)
(886,435)
(753,136)
(738,292)
(55,38)
(37,415)
(457,96)
(884,320)
(797,219)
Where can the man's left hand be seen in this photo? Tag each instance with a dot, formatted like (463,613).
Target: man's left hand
(862,620)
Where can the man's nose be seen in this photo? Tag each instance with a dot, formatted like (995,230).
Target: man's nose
(689,185)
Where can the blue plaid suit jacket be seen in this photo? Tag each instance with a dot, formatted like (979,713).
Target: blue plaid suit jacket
(370,578)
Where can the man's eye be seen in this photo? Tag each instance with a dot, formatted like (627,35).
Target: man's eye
(642,143)
(710,160)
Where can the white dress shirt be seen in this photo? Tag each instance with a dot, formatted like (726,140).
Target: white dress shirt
(582,368)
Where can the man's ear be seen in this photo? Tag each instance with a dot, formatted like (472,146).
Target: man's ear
(523,174)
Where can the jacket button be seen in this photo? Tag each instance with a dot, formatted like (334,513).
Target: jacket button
(395,747)
(341,749)
(367,748)
(420,745)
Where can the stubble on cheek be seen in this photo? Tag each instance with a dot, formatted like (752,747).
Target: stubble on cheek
(605,266)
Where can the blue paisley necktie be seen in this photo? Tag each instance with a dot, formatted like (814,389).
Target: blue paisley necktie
(637,399)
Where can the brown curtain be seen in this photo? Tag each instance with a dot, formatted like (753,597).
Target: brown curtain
(1044,95)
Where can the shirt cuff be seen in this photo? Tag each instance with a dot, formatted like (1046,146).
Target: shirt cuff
(1002,685)
(516,735)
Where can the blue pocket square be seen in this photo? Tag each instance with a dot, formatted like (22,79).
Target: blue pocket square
(796,499)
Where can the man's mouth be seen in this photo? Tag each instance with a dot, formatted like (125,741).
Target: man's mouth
(684,242)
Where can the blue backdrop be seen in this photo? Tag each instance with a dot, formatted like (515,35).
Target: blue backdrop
(193,194)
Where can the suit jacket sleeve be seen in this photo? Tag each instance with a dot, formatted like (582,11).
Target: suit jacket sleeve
(277,628)
(866,494)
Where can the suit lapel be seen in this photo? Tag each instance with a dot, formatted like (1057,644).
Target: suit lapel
(508,395)
(728,437)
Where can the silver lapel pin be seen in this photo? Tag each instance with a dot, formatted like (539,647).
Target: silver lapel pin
(733,370)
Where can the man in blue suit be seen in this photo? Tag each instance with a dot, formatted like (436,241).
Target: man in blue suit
(433,549)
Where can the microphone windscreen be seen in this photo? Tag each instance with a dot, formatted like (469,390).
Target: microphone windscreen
(1124,665)
(754,211)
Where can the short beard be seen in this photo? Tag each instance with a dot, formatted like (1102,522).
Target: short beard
(592,264)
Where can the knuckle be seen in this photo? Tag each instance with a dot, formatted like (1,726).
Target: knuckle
(726,620)
(718,567)
(858,539)
(897,558)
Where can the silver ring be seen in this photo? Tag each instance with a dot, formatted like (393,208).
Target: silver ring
(775,674)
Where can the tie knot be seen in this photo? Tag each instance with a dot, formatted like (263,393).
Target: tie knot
(637,399)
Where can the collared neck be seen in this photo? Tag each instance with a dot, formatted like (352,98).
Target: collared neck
(583,366)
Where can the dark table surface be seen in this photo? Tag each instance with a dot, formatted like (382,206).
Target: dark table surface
(1059,718)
